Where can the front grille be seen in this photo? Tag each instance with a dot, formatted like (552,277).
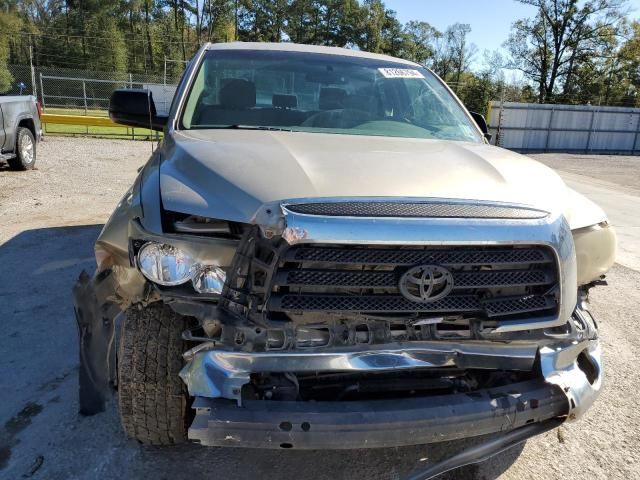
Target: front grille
(408,257)
(416,210)
(488,282)
(389,279)
(394,303)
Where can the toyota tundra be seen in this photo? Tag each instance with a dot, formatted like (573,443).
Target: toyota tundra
(324,252)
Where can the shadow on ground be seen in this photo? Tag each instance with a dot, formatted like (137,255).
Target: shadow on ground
(39,357)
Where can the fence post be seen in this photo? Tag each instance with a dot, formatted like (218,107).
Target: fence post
(635,137)
(84,98)
(130,80)
(546,146)
(42,93)
(593,116)
(34,90)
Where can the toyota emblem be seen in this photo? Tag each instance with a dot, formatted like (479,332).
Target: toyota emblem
(426,283)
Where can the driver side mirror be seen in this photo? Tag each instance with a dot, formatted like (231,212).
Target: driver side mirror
(134,107)
(482,123)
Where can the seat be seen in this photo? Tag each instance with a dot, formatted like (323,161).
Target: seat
(237,99)
(331,98)
(237,93)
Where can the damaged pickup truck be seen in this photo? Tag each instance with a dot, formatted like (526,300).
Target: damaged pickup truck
(325,252)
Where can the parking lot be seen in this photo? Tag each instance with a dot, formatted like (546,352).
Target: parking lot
(49,219)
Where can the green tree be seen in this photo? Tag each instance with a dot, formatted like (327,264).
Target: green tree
(9,24)
(374,22)
(550,47)
(418,41)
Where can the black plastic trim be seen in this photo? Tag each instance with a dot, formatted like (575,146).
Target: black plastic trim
(375,424)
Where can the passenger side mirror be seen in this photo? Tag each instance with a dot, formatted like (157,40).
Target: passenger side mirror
(134,107)
(482,123)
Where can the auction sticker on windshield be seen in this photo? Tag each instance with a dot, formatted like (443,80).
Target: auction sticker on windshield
(400,73)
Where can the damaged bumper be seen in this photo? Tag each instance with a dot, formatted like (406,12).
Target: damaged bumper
(567,378)
(222,373)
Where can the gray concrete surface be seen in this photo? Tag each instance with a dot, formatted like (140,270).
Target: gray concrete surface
(49,219)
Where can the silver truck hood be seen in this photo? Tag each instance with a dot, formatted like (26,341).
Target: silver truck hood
(230,174)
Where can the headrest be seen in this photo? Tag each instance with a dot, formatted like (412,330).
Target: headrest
(331,98)
(238,93)
(284,101)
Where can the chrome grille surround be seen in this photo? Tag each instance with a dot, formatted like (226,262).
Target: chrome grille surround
(551,231)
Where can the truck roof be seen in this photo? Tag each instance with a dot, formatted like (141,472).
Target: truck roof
(297,47)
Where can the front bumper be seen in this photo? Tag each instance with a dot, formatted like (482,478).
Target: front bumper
(570,379)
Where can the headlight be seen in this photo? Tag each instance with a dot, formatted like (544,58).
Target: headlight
(165,264)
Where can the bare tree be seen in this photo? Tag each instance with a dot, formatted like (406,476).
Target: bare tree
(453,54)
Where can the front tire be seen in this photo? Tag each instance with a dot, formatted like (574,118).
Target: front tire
(25,157)
(153,399)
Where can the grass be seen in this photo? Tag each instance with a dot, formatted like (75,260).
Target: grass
(127,133)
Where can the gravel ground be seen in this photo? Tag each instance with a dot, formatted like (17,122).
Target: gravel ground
(49,219)
(621,170)
(76,182)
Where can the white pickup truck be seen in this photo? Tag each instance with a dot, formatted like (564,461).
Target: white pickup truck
(20,130)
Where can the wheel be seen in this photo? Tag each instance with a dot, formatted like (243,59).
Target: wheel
(153,400)
(25,157)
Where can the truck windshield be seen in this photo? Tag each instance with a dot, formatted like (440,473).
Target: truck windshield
(313,92)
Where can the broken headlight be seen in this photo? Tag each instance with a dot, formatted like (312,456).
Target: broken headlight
(170,266)
(208,279)
(164,264)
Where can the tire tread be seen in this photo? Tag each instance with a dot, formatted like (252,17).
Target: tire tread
(151,395)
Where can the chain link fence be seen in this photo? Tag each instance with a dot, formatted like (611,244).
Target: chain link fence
(83,92)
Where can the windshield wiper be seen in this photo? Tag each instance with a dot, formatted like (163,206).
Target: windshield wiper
(246,127)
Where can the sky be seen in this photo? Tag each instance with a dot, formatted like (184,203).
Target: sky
(490,20)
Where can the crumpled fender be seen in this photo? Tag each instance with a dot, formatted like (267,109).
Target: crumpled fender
(100,303)
(96,315)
